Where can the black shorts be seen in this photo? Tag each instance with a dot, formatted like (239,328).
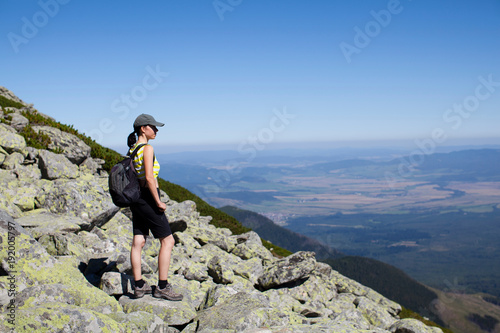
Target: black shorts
(146,216)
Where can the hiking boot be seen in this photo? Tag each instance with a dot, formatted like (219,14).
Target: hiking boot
(167,293)
(139,292)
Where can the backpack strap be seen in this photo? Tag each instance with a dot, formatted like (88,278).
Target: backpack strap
(136,150)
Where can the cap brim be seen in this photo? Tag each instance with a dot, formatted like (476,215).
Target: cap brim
(157,124)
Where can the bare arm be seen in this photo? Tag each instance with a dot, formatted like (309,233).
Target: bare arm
(151,181)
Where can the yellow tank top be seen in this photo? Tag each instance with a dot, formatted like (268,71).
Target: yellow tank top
(139,163)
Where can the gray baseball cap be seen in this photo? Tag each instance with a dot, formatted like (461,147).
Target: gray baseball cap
(146,119)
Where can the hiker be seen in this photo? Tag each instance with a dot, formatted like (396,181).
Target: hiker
(148,214)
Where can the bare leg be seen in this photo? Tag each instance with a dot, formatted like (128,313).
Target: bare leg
(138,243)
(166,246)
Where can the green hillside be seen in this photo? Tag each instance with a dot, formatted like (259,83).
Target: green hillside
(279,235)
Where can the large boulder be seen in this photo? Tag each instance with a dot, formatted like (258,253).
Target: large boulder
(10,140)
(376,315)
(207,235)
(86,197)
(42,222)
(18,121)
(240,312)
(220,270)
(73,148)
(12,161)
(289,269)
(174,313)
(55,166)
(253,250)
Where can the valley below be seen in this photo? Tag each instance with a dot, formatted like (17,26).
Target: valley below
(439,221)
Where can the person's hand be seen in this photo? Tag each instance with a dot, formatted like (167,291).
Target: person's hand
(162,206)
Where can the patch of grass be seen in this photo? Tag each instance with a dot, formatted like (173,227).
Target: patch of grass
(35,139)
(8,103)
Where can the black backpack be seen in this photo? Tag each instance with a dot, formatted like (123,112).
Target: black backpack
(123,183)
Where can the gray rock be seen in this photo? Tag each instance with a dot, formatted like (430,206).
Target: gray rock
(312,309)
(116,283)
(56,245)
(250,269)
(252,250)
(90,165)
(185,210)
(28,172)
(187,240)
(295,267)
(53,318)
(18,121)
(250,237)
(142,321)
(85,197)
(352,316)
(42,223)
(35,267)
(10,141)
(239,312)
(54,166)
(23,196)
(195,293)
(376,315)
(195,271)
(220,270)
(12,161)
(172,313)
(46,294)
(410,325)
(73,148)
(211,236)
(314,289)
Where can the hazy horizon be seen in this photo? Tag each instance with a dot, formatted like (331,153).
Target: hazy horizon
(269,73)
(400,145)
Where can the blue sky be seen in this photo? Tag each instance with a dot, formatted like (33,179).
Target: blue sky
(237,73)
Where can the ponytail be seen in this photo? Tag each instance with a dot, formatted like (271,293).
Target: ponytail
(132,137)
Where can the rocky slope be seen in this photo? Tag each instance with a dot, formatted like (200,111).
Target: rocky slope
(65,259)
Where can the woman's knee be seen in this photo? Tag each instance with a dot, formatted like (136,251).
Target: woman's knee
(168,242)
(138,241)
